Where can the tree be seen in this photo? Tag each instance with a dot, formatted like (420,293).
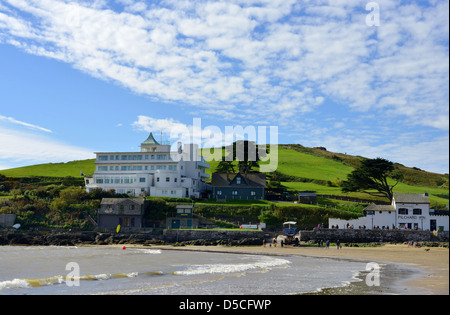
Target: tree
(373,175)
(225,167)
(246,155)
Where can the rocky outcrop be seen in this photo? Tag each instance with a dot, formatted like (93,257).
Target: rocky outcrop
(73,239)
(95,238)
(227,236)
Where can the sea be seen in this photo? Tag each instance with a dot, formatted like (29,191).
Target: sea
(113,270)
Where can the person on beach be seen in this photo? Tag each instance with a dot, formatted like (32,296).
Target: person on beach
(338,244)
(264,243)
(328,244)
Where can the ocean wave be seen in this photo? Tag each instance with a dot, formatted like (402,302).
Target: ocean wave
(33,283)
(150,251)
(12,284)
(263,263)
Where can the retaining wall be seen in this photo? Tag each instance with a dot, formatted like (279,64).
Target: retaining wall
(367,236)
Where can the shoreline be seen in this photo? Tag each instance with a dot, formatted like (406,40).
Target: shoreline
(407,270)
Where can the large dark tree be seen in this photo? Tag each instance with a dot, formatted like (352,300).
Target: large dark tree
(372,178)
(246,155)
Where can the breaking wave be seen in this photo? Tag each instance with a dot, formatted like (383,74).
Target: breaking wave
(32,283)
(264,263)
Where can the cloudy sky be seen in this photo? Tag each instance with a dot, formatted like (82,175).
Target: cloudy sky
(77,77)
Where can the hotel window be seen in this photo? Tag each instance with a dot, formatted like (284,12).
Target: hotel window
(103,158)
(146,156)
(234,192)
(103,168)
(99,181)
(167,179)
(153,156)
(157,179)
(253,193)
(219,193)
(111,168)
(142,180)
(175,179)
(417,211)
(403,211)
(137,168)
(238,180)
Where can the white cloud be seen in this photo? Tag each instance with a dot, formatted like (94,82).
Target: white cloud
(240,52)
(28,125)
(28,148)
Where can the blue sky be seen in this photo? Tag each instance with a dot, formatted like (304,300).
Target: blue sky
(77,77)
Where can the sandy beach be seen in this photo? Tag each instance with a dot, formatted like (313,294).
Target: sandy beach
(433,262)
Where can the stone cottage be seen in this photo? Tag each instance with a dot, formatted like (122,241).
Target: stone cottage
(128,212)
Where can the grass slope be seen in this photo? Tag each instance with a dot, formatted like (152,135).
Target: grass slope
(53,169)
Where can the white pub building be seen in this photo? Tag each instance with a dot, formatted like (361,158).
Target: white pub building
(407,211)
(155,171)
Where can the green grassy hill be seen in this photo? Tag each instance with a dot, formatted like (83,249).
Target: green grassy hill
(72,169)
(313,169)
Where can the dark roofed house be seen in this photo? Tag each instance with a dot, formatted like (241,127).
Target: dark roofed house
(238,186)
(128,212)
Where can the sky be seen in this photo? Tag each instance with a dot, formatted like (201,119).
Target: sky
(368,78)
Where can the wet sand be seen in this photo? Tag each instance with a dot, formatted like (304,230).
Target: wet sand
(433,262)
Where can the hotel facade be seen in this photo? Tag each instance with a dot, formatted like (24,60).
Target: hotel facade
(154,171)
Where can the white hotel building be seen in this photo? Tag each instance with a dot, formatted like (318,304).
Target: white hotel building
(155,171)
(407,211)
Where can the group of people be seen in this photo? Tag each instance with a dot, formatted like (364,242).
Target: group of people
(274,242)
(327,244)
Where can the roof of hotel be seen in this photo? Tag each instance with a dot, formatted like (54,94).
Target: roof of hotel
(150,140)
(412,198)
